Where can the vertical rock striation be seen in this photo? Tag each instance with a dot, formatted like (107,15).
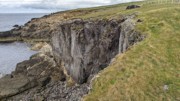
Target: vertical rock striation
(128,35)
(87,46)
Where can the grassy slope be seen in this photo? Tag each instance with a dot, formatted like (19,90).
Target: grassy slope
(141,73)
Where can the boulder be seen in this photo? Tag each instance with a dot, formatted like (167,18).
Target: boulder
(139,20)
(16,26)
(132,7)
(10,86)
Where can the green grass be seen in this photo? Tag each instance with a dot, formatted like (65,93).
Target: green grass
(141,73)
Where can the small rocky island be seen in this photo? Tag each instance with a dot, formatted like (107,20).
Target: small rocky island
(72,50)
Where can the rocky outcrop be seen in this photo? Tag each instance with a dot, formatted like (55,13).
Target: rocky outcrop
(86,47)
(8,34)
(34,31)
(40,79)
(38,71)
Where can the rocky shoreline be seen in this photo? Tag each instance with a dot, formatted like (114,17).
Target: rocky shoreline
(39,79)
(71,53)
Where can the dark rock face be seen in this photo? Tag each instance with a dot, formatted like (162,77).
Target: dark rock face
(86,47)
(133,7)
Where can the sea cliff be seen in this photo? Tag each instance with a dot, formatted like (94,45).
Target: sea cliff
(71,53)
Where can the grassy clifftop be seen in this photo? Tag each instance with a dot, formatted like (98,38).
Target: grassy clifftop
(150,70)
